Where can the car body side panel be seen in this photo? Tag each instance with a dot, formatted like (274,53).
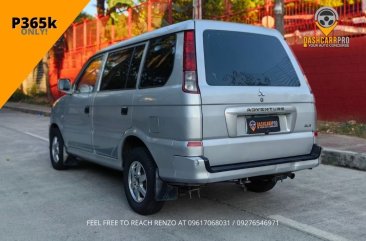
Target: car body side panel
(109,123)
(167,118)
(77,124)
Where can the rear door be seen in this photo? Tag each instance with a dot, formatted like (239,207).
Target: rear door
(112,107)
(256,104)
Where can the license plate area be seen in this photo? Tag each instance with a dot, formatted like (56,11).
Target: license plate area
(263,124)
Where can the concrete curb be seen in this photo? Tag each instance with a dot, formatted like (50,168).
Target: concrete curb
(343,158)
(29,110)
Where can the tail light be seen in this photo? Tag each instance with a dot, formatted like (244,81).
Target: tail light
(190,81)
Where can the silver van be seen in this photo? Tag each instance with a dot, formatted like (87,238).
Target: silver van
(189,104)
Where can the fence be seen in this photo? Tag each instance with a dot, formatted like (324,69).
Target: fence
(82,40)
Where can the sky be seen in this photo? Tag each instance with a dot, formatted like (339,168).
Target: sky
(91,8)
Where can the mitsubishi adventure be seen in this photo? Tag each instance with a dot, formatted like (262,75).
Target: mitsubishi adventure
(186,105)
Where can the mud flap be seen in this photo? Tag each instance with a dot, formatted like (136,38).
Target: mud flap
(164,191)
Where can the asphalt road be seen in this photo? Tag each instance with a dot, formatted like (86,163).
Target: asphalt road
(39,203)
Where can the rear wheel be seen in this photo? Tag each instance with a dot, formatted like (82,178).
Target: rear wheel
(139,182)
(261,184)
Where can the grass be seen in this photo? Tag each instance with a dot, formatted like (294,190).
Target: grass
(351,128)
(37,99)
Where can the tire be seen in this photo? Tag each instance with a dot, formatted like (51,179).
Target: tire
(139,182)
(58,153)
(261,184)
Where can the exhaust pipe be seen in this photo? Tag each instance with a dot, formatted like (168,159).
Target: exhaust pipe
(291,175)
(284,176)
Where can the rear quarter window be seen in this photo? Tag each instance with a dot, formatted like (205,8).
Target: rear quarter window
(159,62)
(246,59)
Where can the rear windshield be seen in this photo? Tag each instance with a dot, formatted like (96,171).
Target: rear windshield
(246,59)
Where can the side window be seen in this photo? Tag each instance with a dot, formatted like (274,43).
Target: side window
(159,62)
(90,76)
(135,66)
(116,70)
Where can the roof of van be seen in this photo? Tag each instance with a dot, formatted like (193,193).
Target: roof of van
(186,25)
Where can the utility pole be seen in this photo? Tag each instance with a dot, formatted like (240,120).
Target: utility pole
(197,9)
(226,4)
(279,13)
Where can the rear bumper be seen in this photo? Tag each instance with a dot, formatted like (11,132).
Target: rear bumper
(197,170)
(315,153)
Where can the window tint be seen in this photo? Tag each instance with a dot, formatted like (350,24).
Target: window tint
(135,66)
(116,70)
(159,62)
(246,59)
(90,76)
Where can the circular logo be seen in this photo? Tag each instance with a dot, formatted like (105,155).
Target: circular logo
(326,17)
(252,125)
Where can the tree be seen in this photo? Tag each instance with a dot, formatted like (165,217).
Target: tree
(116,7)
(101,8)
(82,16)
(182,10)
(213,9)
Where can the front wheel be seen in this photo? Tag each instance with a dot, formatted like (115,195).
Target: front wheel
(139,178)
(261,184)
(58,152)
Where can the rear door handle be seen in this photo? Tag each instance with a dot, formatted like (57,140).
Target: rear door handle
(124,110)
(87,109)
